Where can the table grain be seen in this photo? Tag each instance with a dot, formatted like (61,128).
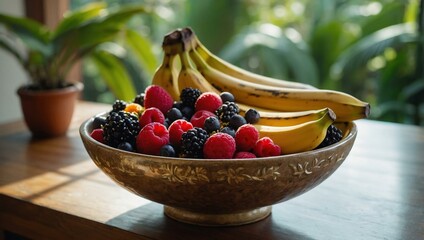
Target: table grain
(50,189)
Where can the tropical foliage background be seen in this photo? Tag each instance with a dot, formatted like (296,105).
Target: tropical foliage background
(370,49)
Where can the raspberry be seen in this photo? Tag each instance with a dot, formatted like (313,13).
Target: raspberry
(244,155)
(151,115)
(97,134)
(219,145)
(198,119)
(208,101)
(176,130)
(246,138)
(265,147)
(156,96)
(152,138)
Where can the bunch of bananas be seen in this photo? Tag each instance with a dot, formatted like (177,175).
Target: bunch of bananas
(294,115)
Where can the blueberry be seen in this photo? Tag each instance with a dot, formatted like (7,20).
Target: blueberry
(126,146)
(252,116)
(227,97)
(139,99)
(174,114)
(98,122)
(187,112)
(229,131)
(211,124)
(167,122)
(236,121)
(167,151)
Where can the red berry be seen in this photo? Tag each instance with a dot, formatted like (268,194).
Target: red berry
(244,155)
(156,96)
(208,101)
(246,137)
(176,130)
(151,115)
(219,145)
(152,138)
(198,119)
(265,147)
(97,134)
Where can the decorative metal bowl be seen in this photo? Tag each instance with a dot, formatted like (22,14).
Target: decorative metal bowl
(218,192)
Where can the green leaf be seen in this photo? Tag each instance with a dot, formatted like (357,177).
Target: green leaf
(372,45)
(33,34)
(114,74)
(12,48)
(142,49)
(299,61)
(77,18)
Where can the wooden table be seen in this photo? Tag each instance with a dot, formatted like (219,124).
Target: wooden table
(50,189)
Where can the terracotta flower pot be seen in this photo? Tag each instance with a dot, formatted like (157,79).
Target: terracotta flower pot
(48,113)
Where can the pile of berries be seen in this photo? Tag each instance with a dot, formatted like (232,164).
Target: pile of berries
(200,125)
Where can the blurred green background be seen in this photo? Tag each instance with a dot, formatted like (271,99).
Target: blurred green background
(370,49)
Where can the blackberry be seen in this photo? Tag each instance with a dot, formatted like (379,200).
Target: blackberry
(192,143)
(189,96)
(121,127)
(139,99)
(118,105)
(226,111)
(333,135)
(252,116)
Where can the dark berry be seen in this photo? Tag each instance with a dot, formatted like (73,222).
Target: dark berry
(167,151)
(126,146)
(118,105)
(187,112)
(178,104)
(192,143)
(98,122)
(252,116)
(189,96)
(333,135)
(236,121)
(229,131)
(227,97)
(167,122)
(226,111)
(120,127)
(211,124)
(139,99)
(174,114)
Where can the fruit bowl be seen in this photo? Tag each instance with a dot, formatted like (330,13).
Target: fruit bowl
(218,192)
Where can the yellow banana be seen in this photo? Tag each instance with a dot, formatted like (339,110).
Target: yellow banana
(346,107)
(275,118)
(298,138)
(232,70)
(166,76)
(190,77)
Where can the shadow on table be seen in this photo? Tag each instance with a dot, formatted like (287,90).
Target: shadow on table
(150,221)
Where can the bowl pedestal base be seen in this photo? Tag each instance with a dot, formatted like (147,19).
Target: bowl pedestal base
(228,219)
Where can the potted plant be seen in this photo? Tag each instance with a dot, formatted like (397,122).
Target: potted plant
(47,56)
